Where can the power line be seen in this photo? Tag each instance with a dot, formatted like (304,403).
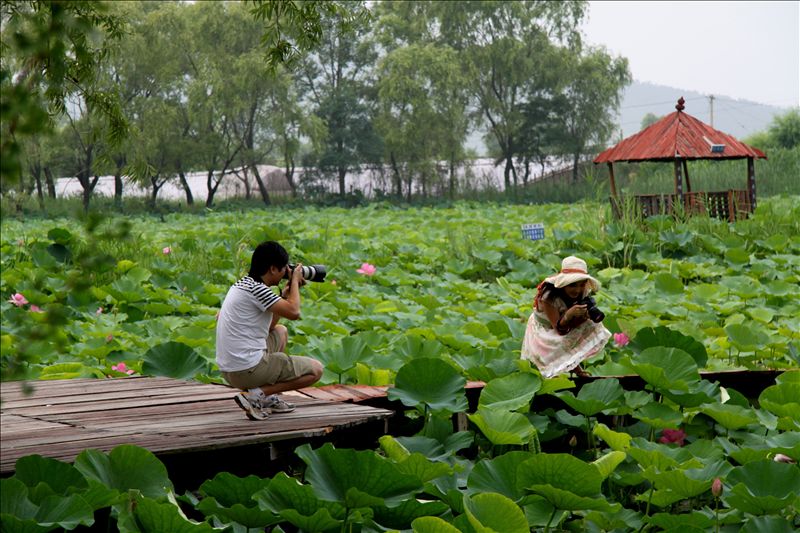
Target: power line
(662,103)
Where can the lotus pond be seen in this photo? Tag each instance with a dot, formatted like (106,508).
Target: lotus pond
(443,297)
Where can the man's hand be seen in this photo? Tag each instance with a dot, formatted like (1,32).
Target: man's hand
(297,274)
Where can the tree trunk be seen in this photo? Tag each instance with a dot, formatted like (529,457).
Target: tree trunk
(507,172)
(118,188)
(575,159)
(397,178)
(51,183)
(261,187)
(342,172)
(154,191)
(37,176)
(452,178)
(186,188)
(212,189)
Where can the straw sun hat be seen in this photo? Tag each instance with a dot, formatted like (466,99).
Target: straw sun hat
(573,269)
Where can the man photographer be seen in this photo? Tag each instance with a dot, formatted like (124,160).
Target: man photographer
(251,345)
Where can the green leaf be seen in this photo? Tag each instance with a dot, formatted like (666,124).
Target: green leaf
(767,524)
(668,284)
(730,416)
(599,395)
(562,471)
(173,360)
(609,462)
(745,336)
(65,511)
(490,512)
(763,487)
(503,427)
(616,441)
(299,504)
(356,478)
(59,476)
(155,517)
(513,392)
(659,416)
(432,524)
(430,382)
(665,368)
(498,475)
(782,399)
(565,499)
(126,467)
(663,336)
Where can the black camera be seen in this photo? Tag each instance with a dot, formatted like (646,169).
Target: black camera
(310,273)
(591,307)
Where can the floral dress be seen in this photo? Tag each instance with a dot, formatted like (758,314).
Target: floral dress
(554,353)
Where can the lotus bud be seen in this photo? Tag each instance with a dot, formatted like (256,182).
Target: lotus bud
(716,487)
(573,441)
(780,458)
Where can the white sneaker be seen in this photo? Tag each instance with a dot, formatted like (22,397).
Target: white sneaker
(252,408)
(276,404)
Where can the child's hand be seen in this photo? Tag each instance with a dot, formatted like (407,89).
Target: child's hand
(576,311)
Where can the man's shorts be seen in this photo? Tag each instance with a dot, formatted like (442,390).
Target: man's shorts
(274,367)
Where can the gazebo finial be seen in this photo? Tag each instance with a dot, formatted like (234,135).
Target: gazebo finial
(680,106)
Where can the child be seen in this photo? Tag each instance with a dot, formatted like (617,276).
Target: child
(560,335)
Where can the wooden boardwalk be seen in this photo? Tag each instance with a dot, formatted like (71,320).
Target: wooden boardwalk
(62,418)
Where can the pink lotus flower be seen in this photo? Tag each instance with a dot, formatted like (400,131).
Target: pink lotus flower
(109,337)
(367,269)
(780,458)
(621,339)
(167,250)
(716,487)
(122,368)
(99,311)
(672,436)
(36,309)
(18,299)
(333,281)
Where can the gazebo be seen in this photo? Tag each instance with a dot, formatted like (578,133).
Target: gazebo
(679,137)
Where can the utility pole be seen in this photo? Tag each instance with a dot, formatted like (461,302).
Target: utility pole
(711,105)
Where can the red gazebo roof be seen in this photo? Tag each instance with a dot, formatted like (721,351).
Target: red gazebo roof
(678,135)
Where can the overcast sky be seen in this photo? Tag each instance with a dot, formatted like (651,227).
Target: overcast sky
(745,50)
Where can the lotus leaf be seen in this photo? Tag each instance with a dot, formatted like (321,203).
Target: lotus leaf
(659,416)
(356,478)
(285,494)
(513,392)
(565,499)
(730,416)
(746,337)
(668,284)
(498,475)
(154,517)
(698,393)
(430,382)
(503,427)
(126,467)
(616,441)
(229,489)
(663,336)
(764,480)
(665,368)
(609,462)
(173,360)
(249,516)
(59,476)
(767,524)
(427,446)
(399,517)
(432,524)
(562,471)
(599,395)
(667,521)
(491,512)
(782,399)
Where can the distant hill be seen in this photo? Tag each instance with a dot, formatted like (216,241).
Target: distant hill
(739,118)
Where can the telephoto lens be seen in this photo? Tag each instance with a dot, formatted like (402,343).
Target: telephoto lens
(315,273)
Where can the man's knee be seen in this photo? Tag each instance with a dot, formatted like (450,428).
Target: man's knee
(316,370)
(283,336)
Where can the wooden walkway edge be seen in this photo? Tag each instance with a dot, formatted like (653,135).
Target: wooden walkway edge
(62,418)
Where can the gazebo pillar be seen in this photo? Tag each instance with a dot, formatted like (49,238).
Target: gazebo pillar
(751,183)
(678,180)
(611,180)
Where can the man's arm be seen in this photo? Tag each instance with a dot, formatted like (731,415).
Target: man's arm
(289,305)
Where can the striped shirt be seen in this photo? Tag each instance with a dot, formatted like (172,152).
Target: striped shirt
(243,324)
